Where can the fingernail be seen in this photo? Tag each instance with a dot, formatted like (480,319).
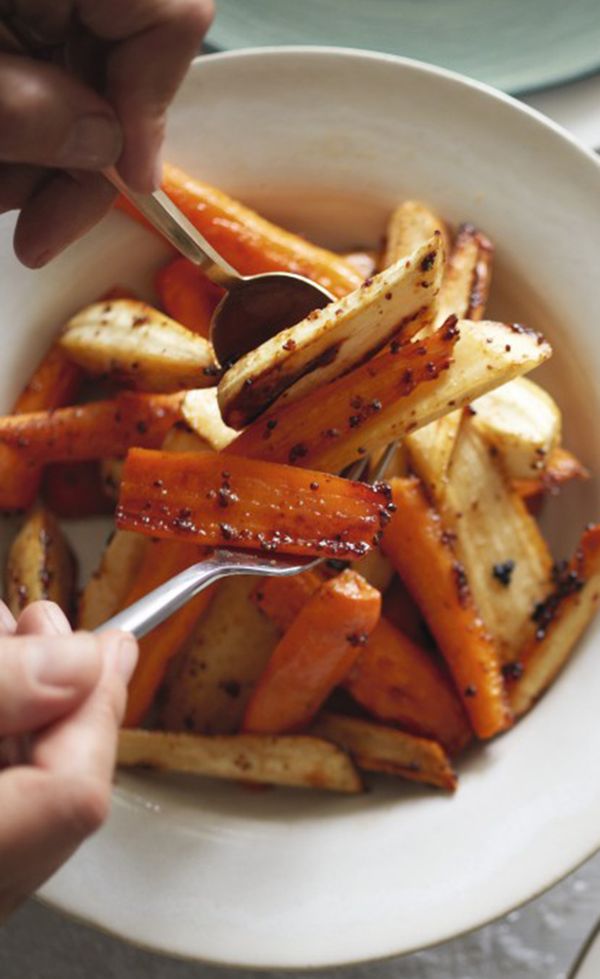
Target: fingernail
(55,665)
(126,655)
(94,141)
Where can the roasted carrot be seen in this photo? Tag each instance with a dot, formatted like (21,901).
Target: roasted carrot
(164,559)
(187,295)
(55,382)
(91,431)
(74,489)
(213,499)
(421,553)
(314,655)
(398,681)
(246,240)
(281,599)
(560,621)
(400,609)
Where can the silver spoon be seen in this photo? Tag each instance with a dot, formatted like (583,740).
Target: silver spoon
(254,307)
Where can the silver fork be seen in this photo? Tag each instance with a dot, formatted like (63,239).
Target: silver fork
(149,611)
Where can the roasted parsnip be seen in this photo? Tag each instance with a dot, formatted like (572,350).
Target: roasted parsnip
(209,683)
(392,395)
(376,748)
(411,224)
(560,620)
(303,761)
(333,340)
(107,589)
(40,565)
(135,342)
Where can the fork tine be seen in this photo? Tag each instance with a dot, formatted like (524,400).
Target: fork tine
(357,469)
(381,467)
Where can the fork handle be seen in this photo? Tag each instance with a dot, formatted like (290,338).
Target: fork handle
(149,611)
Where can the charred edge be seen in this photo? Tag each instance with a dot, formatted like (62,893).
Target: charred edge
(567,582)
(461,582)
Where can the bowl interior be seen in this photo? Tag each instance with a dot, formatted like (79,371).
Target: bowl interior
(327,143)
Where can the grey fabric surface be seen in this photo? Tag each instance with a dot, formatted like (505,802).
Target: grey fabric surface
(539,941)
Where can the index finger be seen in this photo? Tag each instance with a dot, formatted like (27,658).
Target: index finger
(155,43)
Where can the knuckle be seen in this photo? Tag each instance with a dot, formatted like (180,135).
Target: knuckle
(197,15)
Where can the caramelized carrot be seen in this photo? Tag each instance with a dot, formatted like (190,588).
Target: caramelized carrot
(249,242)
(186,295)
(74,489)
(330,425)
(314,655)
(164,559)
(398,681)
(91,431)
(55,382)
(281,599)
(421,553)
(214,499)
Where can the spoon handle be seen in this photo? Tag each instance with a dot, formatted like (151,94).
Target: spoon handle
(166,217)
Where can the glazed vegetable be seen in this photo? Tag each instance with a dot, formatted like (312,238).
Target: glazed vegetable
(331,341)
(74,490)
(91,431)
(40,565)
(411,224)
(467,278)
(398,681)
(186,295)
(163,559)
(211,679)
(376,748)
(213,499)
(134,342)
(560,620)
(392,395)
(302,761)
(420,550)
(247,241)
(499,544)
(314,655)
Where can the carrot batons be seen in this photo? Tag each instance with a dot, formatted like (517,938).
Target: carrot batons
(419,550)
(163,560)
(314,655)
(213,499)
(75,489)
(91,431)
(187,295)
(249,242)
(398,681)
(281,599)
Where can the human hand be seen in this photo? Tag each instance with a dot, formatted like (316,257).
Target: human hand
(56,132)
(62,697)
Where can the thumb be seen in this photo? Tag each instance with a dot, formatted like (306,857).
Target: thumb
(48,117)
(42,678)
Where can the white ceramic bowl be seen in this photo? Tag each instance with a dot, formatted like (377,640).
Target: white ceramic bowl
(327,141)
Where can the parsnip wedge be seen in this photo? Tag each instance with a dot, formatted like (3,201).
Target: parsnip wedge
(200,409)
(211,679)
(522,422)
(40,565)
(411,224)
(140,344)
(301,761)
(377,748)
(560,621)
(107,589)
(496,539)
(333,340)
(464,292)
(393,395)
(467,277)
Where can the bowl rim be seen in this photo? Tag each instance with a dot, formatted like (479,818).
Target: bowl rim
(538,118)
